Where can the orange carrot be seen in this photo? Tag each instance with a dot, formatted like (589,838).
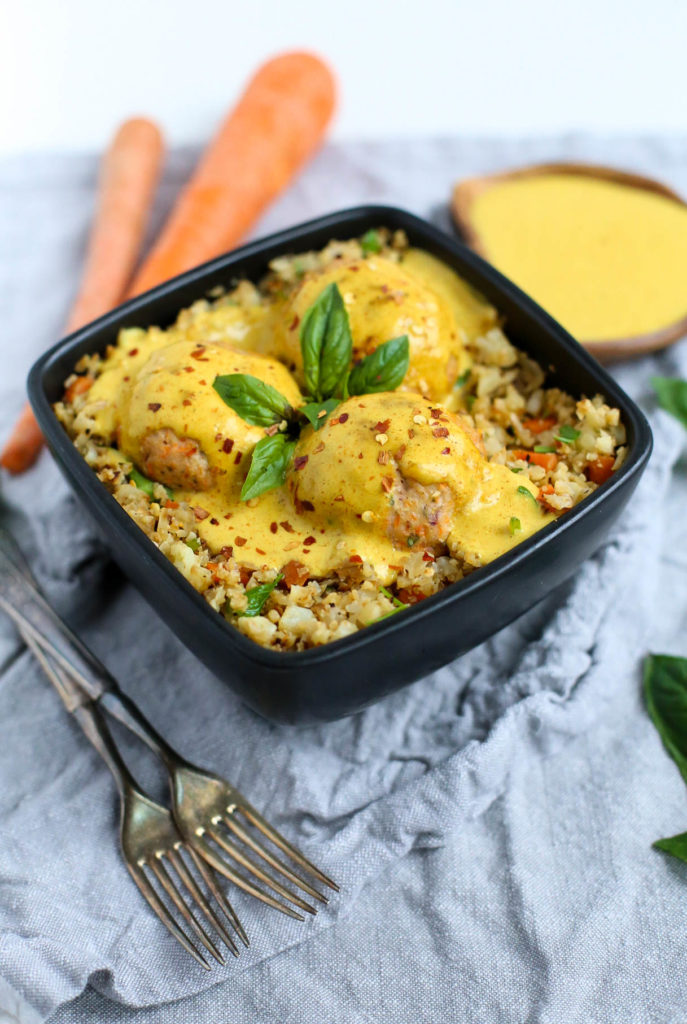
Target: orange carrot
(276,126)
(538,425)
(547,460)
(601,469)
(128,176)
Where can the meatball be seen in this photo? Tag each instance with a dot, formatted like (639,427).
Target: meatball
(175,426)
(383,301)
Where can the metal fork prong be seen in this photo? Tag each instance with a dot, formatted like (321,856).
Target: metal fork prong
(226,907)
(162,875)
(156,904)
(255,869)
(277,838)
(270,859)
(189,881)
(223,868)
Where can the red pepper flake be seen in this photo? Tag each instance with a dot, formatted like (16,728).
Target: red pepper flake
(286,525)
(360,455)
(189,369)
(383,458)
(387,483)
(237,458)
(400,453)
(343,417)
(332,423)
(240,541)
(228,515)
(187,401)
(320,448)
(411,432)
(339,497)
(309,540)
(171,504)
(154,406)
(198,354)
(308,506)
(245,574)
(200,513)
(445,451)
(427,556)
(227,551)
(396,568)
(381,426)
(435,414)
(356,558)
(385,288)
(273,527)
(300,461)
(440,432)
(260,551)
(133,352)
(227,446)
(294,323)
(215,522)
(127,378)
(212,566)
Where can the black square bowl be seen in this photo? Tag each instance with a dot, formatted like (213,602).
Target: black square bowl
(344,676)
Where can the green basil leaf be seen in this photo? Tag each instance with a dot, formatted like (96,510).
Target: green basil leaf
(672,396)
(383,370)
(567,434)
(665,692)
(326,343)
(193,543)
(146,485)
(254,401)
(257,598)
(312,411)
(675,845)
(269,463)
(370,242)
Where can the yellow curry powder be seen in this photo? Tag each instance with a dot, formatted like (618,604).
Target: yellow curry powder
(606,260)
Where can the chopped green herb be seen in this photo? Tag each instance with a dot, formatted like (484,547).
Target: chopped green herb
(370,242)
(396,601)
(672,396)
(298,268)
(527,493)
(544,449)
(567,434)
(516,469)
(463,379)
(470,401)
(412,540)
(146,485)
(257,598)
(193,543)
(514,525)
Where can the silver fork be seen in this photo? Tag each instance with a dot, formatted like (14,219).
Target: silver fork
(214,819)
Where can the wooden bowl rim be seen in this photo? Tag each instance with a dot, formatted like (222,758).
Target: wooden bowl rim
(465,192)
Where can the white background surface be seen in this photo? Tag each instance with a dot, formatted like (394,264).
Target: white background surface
(71,69)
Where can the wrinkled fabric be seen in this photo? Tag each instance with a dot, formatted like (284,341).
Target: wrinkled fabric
(490,826)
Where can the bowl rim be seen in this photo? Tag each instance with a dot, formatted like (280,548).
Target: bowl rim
(84,479)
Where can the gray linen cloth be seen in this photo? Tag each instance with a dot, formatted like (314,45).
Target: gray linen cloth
(490,826)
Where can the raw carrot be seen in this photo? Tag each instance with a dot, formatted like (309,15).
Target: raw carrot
(276,126)
(547,460)
(128,176)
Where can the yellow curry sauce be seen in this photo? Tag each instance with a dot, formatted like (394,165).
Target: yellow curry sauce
(386,473)
(607,260)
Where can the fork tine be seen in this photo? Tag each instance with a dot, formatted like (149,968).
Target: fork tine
(162,875)
(164,915)
(254,869)
(192,886)
(223,902)
(278,839)
(270,859)
(206,851)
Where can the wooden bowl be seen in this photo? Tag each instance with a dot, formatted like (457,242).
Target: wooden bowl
(611,350)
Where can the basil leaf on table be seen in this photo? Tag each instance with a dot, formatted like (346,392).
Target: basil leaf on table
(675,845)
(672,396)
(257,403)
(257,598)
(312,411)
(383,370)
(326,343)
(665,692)
(269,463)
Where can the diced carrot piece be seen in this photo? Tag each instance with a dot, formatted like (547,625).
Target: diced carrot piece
(600,470)
(296,574)
(547,460)
(78,387)
(537,425)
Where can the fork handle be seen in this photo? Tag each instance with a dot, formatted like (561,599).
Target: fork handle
(21,599)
